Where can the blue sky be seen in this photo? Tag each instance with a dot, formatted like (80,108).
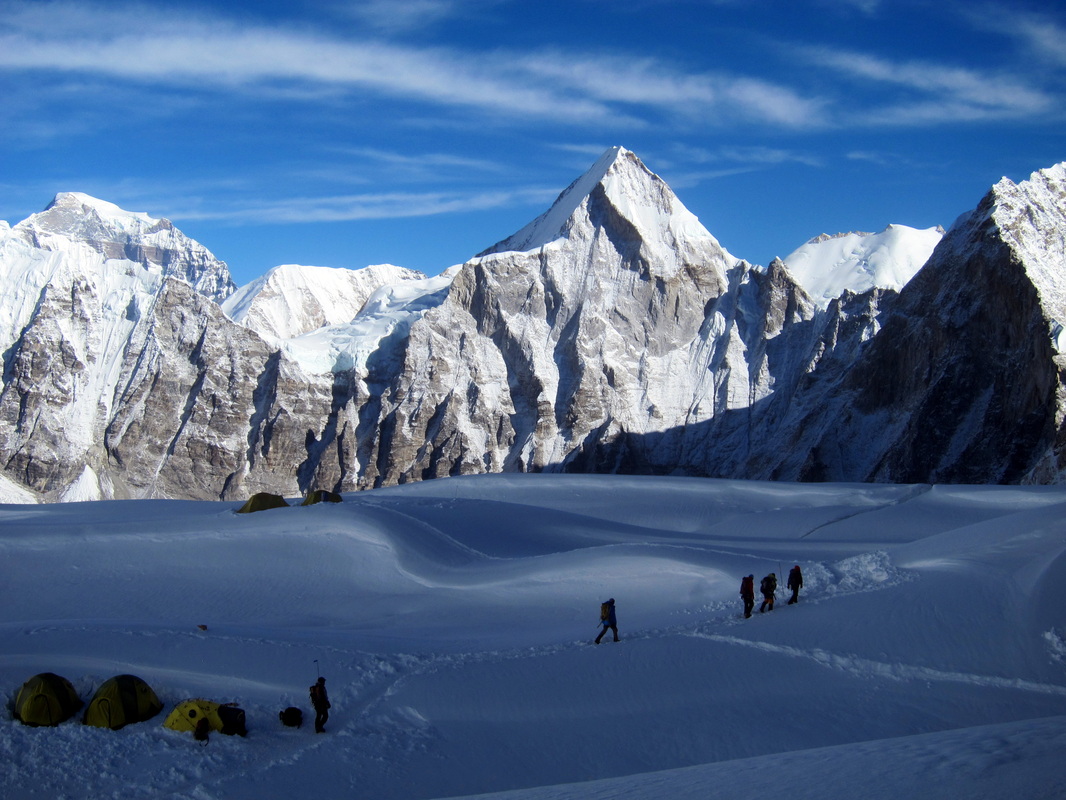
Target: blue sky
(419,133)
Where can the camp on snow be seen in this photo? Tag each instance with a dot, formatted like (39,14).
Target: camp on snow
(122,700)
(321,496)
(223,718)
(46,699)
(261,501)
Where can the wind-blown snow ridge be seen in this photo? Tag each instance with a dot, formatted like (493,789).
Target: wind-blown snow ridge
(827,266)
(864,667)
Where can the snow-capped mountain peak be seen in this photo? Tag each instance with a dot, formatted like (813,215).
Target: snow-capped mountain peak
(553,223)
(74,220)
(613,333)
(81,217)
(634,193)
(82,202)
(1030,215)
(827,266)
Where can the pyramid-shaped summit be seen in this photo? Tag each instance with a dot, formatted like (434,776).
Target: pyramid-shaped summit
(620,193)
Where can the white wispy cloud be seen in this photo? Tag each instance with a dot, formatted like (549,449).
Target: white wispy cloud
(649,82)
(391,16)
(937,92)
(695,165)
(346,208)
(128,44)
(421,163)
(218,54)
(751,155)
(1041,37)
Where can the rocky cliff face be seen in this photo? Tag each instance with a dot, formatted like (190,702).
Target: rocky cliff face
(123,378)
(615,343)
(962,382)
(613,333)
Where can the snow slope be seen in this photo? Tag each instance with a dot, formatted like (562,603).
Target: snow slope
(453,620)
(291,300)
(827,266)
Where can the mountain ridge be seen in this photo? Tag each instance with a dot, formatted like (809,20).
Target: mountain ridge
(623,339)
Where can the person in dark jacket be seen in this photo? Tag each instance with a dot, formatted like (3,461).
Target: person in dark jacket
(608,620)
(747,594)
(320,700)
(768,586)
(795,581)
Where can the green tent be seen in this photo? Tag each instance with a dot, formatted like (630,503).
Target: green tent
(261,501)
(46,699)
(321,496)
(120,701)
(224,718)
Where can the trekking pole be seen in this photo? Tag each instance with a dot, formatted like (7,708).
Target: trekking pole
(318,672)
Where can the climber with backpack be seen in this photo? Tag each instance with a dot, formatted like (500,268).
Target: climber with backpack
(320,700)
(768,586)
(795,583)
(608,620)
(747,594)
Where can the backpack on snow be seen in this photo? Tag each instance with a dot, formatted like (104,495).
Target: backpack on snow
(291,717)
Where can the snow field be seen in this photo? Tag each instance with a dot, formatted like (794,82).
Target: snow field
(454,621)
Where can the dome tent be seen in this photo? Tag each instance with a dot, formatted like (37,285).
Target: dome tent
(227,719)
(46,699)
(261,501)
(122,700)
(321,496)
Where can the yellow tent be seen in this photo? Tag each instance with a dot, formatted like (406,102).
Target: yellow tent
(261,501)
(227,719)
(321,496)
(46,699)
(120,701)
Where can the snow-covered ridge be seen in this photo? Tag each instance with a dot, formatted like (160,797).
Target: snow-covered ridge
(78,201)
(292,300)
(827,266)
(381,325)
(612,333)
(1032,216)
(116,260)
(75,221)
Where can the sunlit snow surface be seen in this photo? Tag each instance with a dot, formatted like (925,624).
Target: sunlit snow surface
(453,620)
(828,266)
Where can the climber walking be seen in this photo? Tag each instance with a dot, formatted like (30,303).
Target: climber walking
(320,700)
(608,620)
(747,594)
(795,581)
(768,586)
